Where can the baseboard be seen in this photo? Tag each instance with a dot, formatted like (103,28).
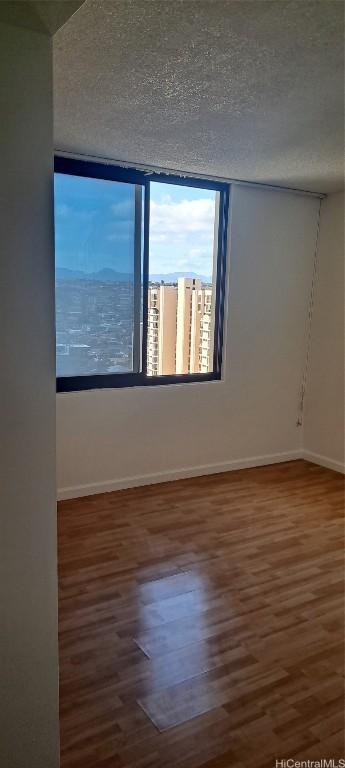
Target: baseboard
(91,489)
(323,461)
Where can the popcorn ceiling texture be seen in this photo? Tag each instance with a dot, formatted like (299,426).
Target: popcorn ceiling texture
(248,90)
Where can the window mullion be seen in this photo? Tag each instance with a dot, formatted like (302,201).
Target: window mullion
(145,276)
(220,283)
(136,353)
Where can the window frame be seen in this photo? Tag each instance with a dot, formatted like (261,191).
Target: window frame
(111,172)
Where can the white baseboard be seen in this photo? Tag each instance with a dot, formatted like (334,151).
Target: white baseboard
(90,489)
(323,461)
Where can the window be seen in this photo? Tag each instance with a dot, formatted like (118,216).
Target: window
(140,265)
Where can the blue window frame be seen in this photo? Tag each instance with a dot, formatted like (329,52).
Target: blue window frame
(103,321)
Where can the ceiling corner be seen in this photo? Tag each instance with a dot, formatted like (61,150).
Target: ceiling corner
(55,13)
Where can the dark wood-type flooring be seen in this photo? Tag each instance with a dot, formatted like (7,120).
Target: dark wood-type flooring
(201,622)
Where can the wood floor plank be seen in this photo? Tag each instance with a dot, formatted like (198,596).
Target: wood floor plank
(201,622)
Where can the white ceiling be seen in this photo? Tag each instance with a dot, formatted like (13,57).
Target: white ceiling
(248,90)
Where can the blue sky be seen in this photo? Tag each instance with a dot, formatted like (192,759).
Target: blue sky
(94,226)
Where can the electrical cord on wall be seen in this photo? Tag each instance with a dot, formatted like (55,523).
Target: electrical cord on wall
(299,422)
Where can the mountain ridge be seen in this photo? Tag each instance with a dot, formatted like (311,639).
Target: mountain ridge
(109,275)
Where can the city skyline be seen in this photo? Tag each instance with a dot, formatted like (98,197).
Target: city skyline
(97,318)
(95,327)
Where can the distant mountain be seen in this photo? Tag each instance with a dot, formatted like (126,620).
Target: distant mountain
(105,275)
(108,275)
(172,277)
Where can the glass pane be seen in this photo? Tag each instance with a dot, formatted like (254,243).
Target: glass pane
(95,276)
(182,279)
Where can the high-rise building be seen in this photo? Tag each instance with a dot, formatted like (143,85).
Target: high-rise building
(186,292)
(161,331)
(180,328)
(206,335)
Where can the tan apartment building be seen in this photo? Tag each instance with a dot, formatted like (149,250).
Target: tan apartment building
(161,332)
(206,335)
(180,328)
(187,289)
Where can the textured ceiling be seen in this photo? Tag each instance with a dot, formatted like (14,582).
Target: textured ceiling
(248,90)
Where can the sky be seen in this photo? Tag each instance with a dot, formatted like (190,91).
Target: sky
(94,226)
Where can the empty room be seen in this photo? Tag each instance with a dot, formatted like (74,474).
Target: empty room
(172,384)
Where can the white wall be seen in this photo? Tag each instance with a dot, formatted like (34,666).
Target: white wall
(115,438)
(28,579)
(324,411)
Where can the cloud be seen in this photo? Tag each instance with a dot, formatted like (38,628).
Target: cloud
(182,218)
(62,209)
(181,235)
(123,209)
(73,214)
(125,236)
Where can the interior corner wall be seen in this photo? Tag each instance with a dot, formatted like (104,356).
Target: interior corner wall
(108,439)
(28,560)
(324,407)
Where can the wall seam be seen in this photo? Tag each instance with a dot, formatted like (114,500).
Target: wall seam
(309,328)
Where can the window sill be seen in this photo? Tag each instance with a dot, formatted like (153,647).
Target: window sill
(129,380)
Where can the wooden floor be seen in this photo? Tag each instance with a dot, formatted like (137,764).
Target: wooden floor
(201,622)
